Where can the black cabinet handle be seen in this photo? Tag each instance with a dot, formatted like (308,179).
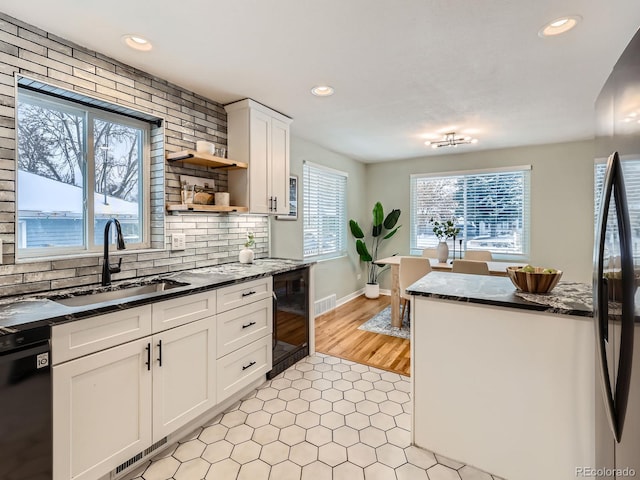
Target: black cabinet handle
(271,204)
(148,362)
(275,208)
(246,294)
(159,353)
(248,324)
(251,364)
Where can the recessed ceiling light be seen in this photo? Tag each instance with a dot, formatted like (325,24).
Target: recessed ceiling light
(559,25)
(137,42)
(322,91)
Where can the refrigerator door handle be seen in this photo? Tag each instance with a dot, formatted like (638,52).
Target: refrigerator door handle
(625,361)
(616,407)
(600,303)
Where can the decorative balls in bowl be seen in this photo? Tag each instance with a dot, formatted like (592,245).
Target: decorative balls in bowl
(534,279)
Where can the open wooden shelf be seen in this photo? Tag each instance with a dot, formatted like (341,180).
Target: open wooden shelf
(204,159)
(192,207)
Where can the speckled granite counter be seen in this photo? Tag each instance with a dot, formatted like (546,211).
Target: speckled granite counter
(566,298)
(34,310)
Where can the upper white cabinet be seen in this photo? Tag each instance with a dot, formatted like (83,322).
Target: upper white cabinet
(259,136)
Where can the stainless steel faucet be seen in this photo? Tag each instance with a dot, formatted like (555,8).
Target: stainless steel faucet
(108,269)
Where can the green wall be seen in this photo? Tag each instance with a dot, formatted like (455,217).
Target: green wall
(561,198)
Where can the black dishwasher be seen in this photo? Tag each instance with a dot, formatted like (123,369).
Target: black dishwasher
(25,404)
(290,319)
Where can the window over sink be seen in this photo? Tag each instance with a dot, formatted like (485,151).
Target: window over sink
(490,207)
(78,166)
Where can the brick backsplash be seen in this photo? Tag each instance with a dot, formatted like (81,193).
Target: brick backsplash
(211,238)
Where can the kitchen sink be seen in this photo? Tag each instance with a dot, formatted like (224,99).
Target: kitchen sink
(117,293)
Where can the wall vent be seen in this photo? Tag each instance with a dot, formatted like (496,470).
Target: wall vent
(325,304)
(122,467)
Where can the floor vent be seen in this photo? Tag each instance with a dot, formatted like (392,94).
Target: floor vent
(122,467)
(325,304)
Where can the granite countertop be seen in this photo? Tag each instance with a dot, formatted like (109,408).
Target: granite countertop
(35,310)
(567,298)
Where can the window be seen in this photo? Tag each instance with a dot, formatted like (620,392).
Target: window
(324,211)
(77,168)
(491,209)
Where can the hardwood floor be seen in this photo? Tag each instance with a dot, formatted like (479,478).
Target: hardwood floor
(337,334)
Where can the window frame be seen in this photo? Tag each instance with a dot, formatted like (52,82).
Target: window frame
(89,246)
(342,223)
(526,240)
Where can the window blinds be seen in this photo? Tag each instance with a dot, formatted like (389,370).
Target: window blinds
(324,211)
(491,209)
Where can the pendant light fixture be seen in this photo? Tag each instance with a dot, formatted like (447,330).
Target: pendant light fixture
(450,140)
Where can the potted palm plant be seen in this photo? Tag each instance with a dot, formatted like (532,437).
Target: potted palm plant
(382,229)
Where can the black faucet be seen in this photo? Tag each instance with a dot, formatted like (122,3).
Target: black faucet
(107,269)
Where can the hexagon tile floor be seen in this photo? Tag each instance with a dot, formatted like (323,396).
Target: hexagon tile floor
(323,418)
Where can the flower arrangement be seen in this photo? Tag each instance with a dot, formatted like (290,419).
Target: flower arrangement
(251,240)
(444,230)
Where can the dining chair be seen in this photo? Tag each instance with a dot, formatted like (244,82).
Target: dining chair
(478,255)
(470,266)
(411,270)
(430,252)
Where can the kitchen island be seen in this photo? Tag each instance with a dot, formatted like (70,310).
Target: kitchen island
(504,380)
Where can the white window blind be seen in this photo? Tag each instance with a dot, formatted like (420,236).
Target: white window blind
(324,211)
(491,209)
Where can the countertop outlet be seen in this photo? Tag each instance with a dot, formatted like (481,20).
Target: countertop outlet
(178,241)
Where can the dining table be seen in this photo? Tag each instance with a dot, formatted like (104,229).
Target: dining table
(495,268)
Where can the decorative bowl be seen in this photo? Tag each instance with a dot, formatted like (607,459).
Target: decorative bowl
(534,282)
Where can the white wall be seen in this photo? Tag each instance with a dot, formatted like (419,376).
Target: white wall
(561,199)
(337,276)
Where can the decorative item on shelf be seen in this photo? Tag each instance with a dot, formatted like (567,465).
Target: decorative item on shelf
(222,198)
(205,147)
(534,279)
(382,229)
(444,231)
(246,254)
(203,198)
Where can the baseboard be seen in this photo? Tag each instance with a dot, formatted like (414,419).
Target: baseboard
(385,291)
(348,298)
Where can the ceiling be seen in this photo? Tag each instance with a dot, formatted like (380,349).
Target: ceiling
(400,68)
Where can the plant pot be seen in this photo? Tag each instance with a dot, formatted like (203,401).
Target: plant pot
(372,290)
(245,255)
(442,252)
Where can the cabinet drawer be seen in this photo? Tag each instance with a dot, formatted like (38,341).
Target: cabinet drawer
(238,369)
(182,310)
(243,293)
(82,337)
(241,326)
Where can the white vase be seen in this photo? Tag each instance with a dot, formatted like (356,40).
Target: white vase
(372,290)
(245,255)
(443,252)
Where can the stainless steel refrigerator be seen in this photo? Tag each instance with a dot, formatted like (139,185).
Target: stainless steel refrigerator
(617,269)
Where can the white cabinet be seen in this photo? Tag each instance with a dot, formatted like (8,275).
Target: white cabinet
(102,415)
(244,335)
(183,375)
(259,136)
(118,389)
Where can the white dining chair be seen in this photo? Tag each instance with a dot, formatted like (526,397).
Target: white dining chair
(478,255)
(430,252)
(412,269)
(470,266)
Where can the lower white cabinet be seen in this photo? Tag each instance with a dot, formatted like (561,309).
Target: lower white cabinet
(183,375)
(111,405)
(102,411)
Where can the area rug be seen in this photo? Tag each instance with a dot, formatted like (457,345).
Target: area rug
(381,323)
